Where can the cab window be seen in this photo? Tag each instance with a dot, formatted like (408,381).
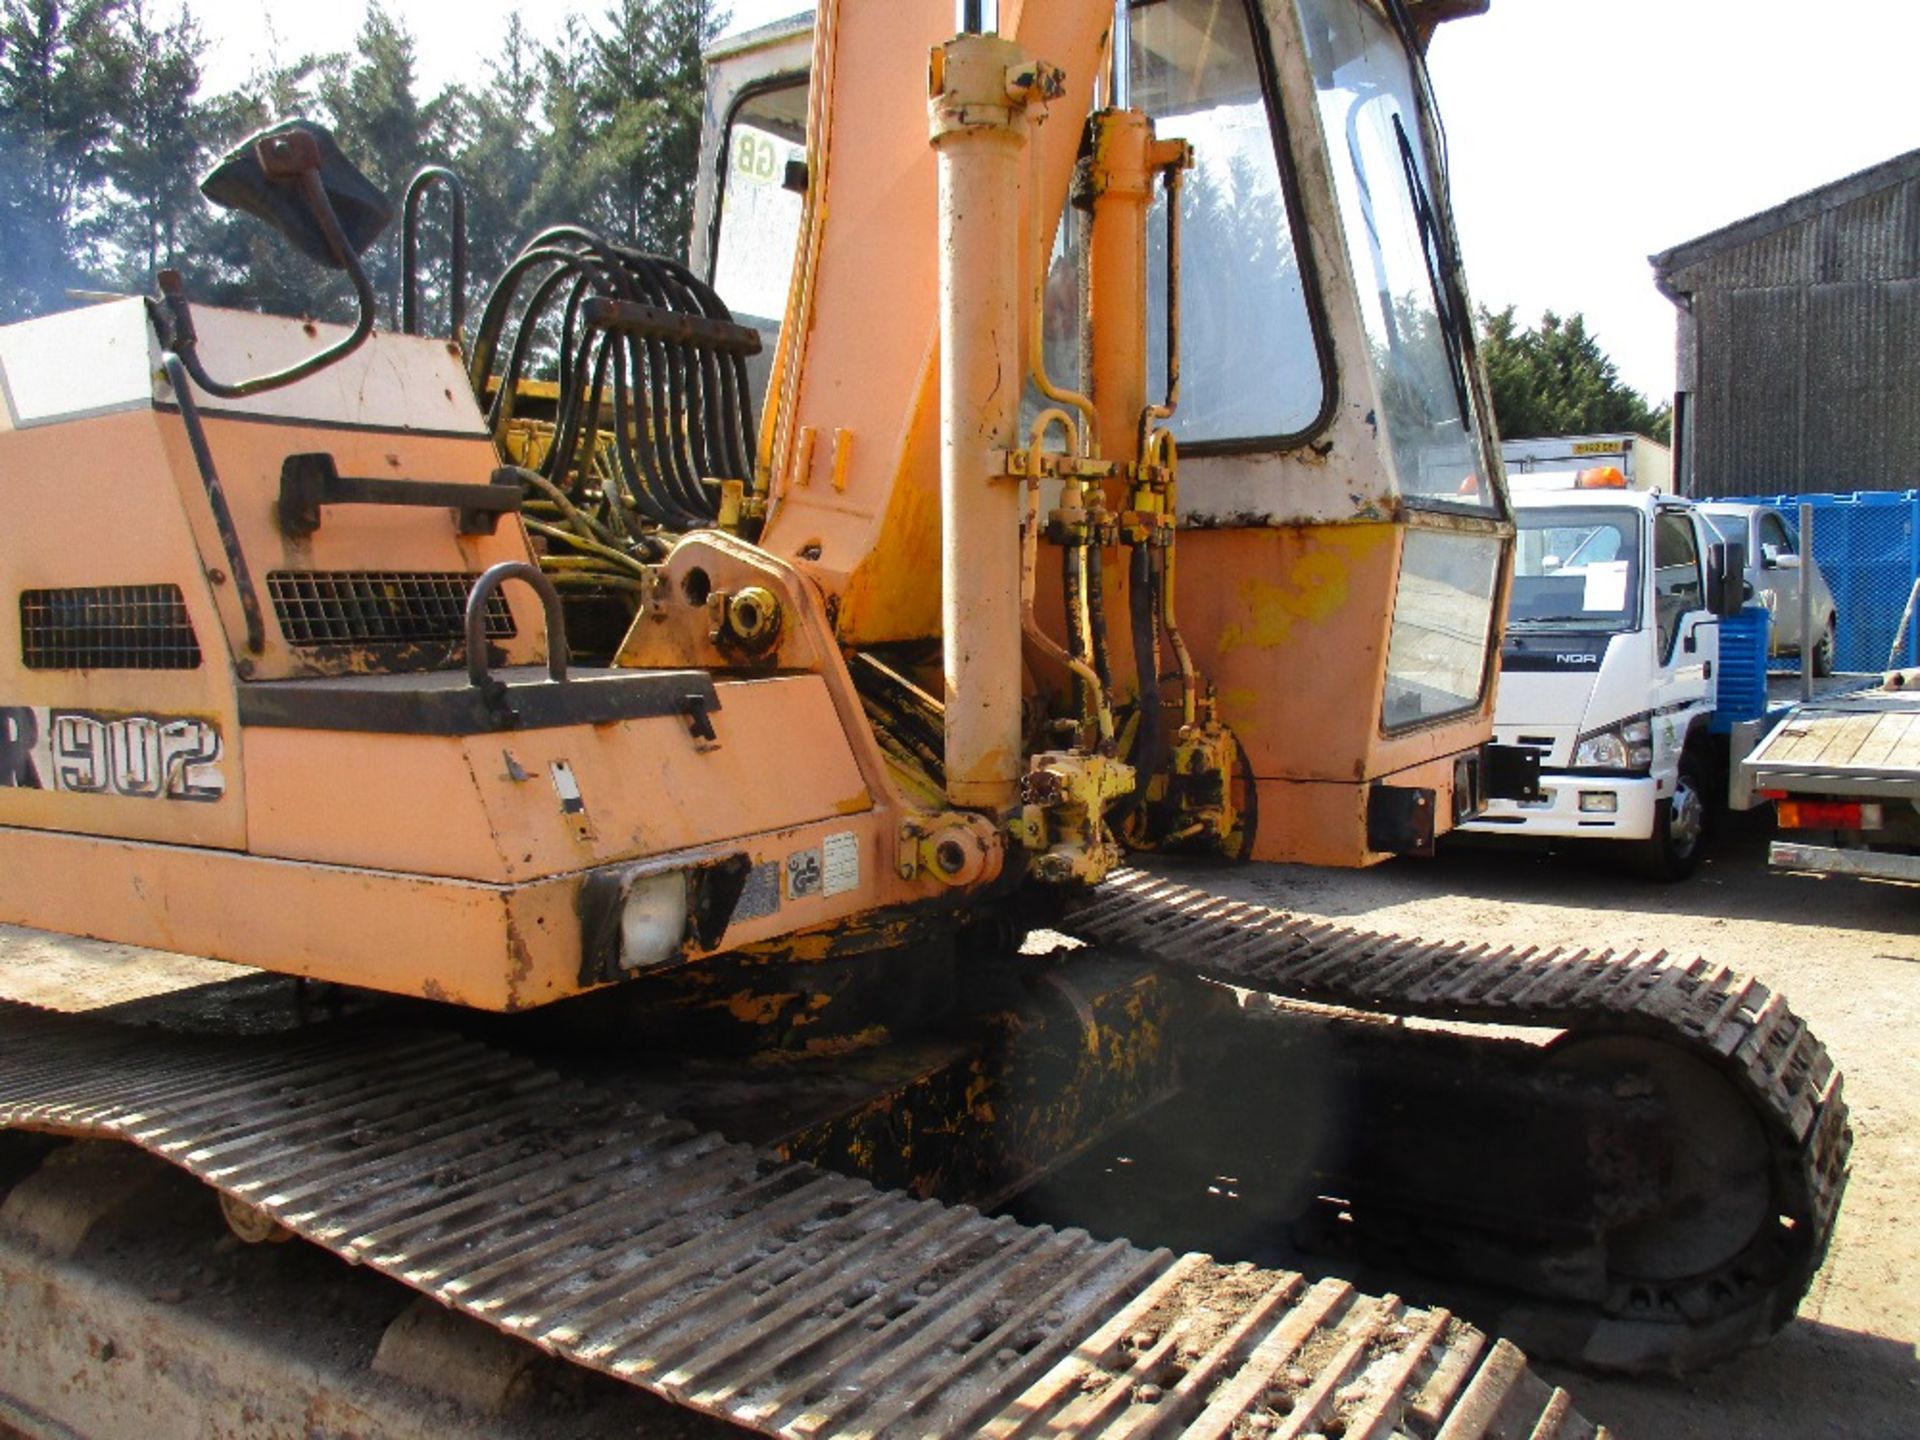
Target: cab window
(1678,585)
(1398,247)
(1774,539)
(1576,570)
(1249,353)
(761,200)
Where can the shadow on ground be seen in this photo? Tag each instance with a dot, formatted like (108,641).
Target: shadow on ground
(1812,1380)
(1734,879)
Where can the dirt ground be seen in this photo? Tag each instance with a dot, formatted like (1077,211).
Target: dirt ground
(1847,954)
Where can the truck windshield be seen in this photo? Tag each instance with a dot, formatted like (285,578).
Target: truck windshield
(1397,240)
(1576,570)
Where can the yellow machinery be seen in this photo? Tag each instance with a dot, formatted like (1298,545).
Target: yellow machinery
(1066,443)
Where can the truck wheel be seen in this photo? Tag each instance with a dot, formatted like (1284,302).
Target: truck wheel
(1679,826)
(1823,652)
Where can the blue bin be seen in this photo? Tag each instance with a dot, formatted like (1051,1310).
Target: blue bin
(1742,692)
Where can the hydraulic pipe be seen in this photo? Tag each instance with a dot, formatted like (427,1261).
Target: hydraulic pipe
(981,86)
(1121,179)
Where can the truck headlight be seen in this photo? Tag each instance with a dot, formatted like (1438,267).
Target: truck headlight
(1626,746)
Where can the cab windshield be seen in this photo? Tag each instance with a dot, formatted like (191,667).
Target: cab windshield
(1401,252)
(1576,571)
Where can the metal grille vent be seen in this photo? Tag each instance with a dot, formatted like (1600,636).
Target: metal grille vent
(379,607)
(107,627)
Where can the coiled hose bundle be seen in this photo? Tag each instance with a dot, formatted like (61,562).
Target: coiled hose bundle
(634,376)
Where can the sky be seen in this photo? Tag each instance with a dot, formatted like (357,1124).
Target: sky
(1583,137)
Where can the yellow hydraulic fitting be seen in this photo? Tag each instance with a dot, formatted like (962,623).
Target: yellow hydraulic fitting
(1065,794)
(1201,770)
(733,505)
(956,848)
(748,619)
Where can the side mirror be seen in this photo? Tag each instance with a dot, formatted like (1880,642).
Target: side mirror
(1726,577)
(265,176)
(294,177)
(1787,560)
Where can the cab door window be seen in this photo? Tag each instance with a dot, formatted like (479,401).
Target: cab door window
(1250,355)
(1774,539)
(761,203)
(1678,585)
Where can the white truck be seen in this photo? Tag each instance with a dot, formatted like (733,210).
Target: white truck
(1644,464)
(1608,668)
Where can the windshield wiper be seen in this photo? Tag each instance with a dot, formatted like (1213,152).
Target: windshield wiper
(1440,270)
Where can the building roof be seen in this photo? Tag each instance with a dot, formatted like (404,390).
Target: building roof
(1831,196)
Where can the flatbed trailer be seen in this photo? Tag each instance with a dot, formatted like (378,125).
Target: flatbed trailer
(1844,774)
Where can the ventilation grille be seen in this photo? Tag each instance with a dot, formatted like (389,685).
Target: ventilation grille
(107,627)
(379,607)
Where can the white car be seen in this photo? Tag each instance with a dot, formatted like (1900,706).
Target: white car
(1775,569)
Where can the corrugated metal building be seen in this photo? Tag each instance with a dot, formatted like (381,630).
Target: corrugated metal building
(1799,342)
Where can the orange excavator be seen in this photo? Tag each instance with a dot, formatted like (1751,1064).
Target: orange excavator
(757,697)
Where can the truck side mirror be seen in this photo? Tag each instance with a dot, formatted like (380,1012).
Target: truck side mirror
(1726,577)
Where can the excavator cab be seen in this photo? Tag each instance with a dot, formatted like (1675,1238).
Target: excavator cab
(1342,526)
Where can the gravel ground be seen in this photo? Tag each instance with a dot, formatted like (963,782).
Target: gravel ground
(1847,954)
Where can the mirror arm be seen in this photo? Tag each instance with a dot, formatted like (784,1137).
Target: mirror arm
(182,339)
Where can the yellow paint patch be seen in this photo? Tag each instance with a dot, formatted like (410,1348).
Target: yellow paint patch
(1241,709)
(1314,589)
(751,1009)
(870,1038)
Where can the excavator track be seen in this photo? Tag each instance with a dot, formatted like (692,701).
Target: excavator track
(772,1294)
(1735,1024)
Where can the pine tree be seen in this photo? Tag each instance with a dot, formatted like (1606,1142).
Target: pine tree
(645,90)
(1556,380)
(63,71)
(157,144)
(383,128)
(494,135)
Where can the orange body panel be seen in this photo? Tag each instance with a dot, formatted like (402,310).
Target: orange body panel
(249,453)
(1288,623)
(1323,822)
(444,865)
(47,494)
(487,807)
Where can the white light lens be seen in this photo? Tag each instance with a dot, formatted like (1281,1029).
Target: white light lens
(1605,751)
(653,920)
(1637,732)
(1599,802)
